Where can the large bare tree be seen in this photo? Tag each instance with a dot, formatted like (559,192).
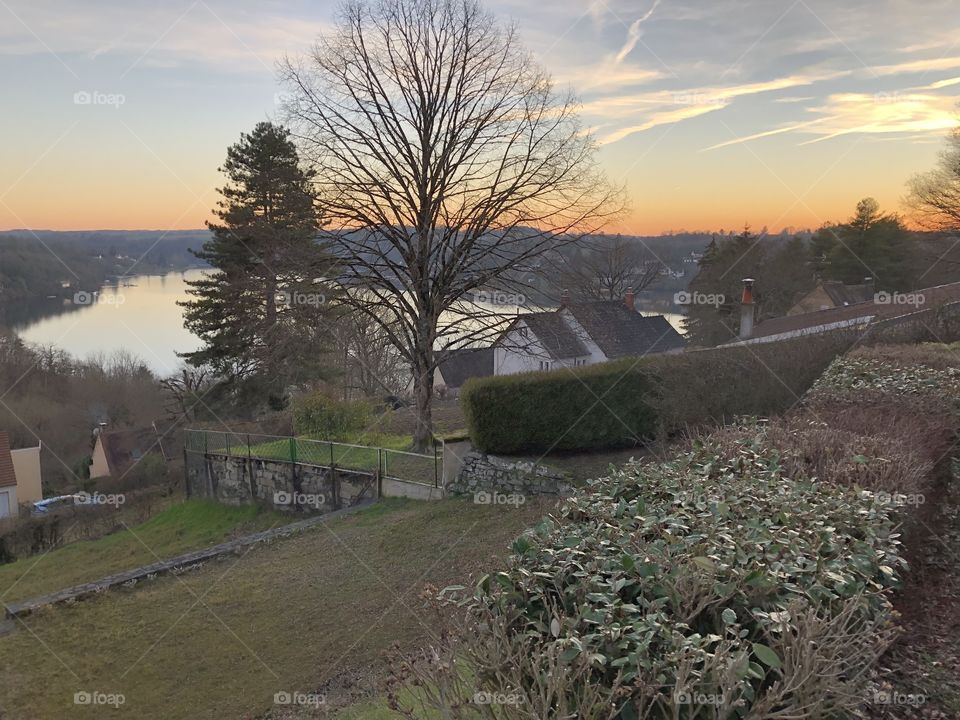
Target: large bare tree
(446,164)
(934,196)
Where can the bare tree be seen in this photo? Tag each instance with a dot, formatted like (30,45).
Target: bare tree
(934,196)
(371,365)
(606,268)
(446,163)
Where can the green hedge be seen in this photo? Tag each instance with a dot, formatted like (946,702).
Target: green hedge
(605,405)
(620,403)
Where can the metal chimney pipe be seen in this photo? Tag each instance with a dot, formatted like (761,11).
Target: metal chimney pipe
(746,309)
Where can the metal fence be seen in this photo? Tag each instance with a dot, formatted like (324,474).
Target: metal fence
(387,463)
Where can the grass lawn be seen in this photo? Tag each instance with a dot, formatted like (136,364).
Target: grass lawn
(186,526)
(312,613)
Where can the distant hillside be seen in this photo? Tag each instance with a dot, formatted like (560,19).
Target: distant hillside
(40,269)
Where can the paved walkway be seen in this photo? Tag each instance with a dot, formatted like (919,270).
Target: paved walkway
(79,592)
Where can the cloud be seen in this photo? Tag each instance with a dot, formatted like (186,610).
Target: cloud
(665,106)
(634,33)
(916,66)
(915,114)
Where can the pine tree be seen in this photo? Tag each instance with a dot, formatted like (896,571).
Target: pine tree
(262,312)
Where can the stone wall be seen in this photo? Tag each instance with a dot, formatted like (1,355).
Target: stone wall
(283,485)
(488,474)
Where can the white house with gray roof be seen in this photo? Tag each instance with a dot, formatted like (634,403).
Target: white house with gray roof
(579,334)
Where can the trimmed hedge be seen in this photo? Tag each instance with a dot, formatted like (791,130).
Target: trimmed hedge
(605,405)
(626,402)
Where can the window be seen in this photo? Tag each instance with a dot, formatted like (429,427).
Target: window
(523,331)
(4,504)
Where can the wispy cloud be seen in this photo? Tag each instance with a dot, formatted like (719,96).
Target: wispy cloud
(634,33)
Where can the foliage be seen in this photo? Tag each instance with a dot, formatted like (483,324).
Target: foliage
(625,402)
(869,245)
(321,416)
(705,586)
(606,405)
(780,268)
(261,314)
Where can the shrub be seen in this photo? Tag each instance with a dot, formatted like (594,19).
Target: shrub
(701,577)
(809,447)
(625,402)
(320,415)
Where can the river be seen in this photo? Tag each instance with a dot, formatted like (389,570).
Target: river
(141,316)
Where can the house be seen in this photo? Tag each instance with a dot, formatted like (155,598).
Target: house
(19,476)
(579,334)
(830,294)
(115,452)
(884,308)
(461,365)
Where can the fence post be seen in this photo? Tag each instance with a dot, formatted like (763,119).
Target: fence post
(293,450)
(436,467)
(379,473)
(334,480)
(228,443)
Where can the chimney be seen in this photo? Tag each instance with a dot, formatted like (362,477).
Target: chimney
(628,300)
(746,309)
(564,298)
(869,282)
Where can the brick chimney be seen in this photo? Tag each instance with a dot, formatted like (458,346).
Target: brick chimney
(629,300)
(564,298)
(746,309)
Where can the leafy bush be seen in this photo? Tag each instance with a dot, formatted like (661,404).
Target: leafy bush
(706,586)
(324,417)
(809,447)
(625,402)
(605,405)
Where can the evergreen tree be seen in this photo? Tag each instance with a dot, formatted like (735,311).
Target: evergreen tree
(870,244)
(262,311)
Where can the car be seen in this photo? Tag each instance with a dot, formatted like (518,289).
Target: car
(47,505)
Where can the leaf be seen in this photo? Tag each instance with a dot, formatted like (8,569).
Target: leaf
(767,656)
(705,563)
(555,627)
(729,616)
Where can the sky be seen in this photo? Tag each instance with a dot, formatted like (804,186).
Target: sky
(712,113)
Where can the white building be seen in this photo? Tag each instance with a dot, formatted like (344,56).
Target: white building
(579,334)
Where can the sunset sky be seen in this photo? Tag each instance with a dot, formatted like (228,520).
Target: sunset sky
(712,112)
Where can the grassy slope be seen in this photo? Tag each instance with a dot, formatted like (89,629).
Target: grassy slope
(218,642)
(186,526)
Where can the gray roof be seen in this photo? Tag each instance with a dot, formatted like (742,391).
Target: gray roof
(621,332)
(461,365)
(557,338)
(842,294)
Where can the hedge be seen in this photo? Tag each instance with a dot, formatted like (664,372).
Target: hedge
(625,402)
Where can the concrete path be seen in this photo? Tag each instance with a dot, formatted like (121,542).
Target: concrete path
(78,592)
